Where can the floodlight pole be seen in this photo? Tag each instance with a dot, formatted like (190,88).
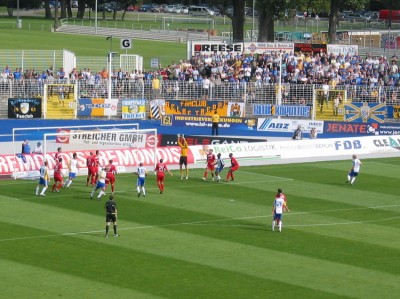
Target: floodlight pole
(252,31)
(18,14)
(279,102)
(110,54)
(95,17)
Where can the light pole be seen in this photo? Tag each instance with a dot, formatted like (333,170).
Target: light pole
(110,55)
(18,22)
(252,30)
(95,17)
(280,80)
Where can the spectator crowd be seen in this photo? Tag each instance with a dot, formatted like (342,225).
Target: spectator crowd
(368,78)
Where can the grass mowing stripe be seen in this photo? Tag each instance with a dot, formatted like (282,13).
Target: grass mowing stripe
(221,254)
(210,222)
(145,266)
(23,280)
(266,175)
(366,248)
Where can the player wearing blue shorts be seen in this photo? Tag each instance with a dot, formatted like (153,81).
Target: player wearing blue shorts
(355,169)
(277,210)
(44,179)
(141,180)
(73,170)
(220,166)
(100,185)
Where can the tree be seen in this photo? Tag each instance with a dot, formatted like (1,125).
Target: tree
(336,7)
(235,13)
(268,11)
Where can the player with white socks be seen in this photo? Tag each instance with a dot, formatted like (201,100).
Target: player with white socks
(44,179)
(220,166)
(277,210)
(141,173)
(100,185)
(73,170)
(355,169)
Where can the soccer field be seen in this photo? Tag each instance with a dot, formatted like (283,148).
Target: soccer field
(209,240)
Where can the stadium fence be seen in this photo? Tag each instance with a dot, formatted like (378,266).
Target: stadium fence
(253,92)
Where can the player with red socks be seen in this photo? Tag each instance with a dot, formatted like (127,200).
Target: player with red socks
(96,165)
(232,169)
(58,176)
(160,170)
(210,164)
(111,171)
(89,163)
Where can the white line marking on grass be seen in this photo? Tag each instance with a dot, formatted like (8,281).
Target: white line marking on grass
(305,225)
(209,222)
(8,197)
(380,163)
(267,175)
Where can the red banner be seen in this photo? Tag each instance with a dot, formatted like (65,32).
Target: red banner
(127,157)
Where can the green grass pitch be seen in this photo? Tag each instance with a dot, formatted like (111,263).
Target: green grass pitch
(207,239)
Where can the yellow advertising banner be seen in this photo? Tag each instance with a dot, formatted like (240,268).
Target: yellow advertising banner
(396,111)
(196,107)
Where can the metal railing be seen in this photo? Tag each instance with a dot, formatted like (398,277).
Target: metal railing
(253,92)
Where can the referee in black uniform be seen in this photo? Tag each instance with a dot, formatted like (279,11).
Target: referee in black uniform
(111,215)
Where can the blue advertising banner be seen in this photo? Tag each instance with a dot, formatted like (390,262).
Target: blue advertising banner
(239,123)
(340,129)
(281,110)
(365,112)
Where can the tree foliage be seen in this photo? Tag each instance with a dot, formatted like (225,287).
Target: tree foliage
(268,12)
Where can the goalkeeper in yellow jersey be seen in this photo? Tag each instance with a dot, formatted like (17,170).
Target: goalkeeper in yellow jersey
(183,160)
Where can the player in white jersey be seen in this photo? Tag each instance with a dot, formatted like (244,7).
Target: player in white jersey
(73,170)
(44,179)
(277,210)
(100,185)
(355,169)
(141,173)
(220,166)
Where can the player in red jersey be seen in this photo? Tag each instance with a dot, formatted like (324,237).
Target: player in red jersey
(96,165)
(160,170)
(210,164)
(111,171)
(58,176)
(233,168)
(89,166)
(57,154)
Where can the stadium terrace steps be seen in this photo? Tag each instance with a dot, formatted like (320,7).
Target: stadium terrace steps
(161,35)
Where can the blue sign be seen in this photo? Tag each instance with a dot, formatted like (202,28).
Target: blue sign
(281,110)
(365,112)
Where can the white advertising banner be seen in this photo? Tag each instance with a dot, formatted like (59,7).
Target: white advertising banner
(342,49)
(128,139)
(261,48)
(288,125)
(303,148)
(215,47)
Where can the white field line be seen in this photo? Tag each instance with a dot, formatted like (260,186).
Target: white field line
(210,222)
(267,175)
(64,192)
